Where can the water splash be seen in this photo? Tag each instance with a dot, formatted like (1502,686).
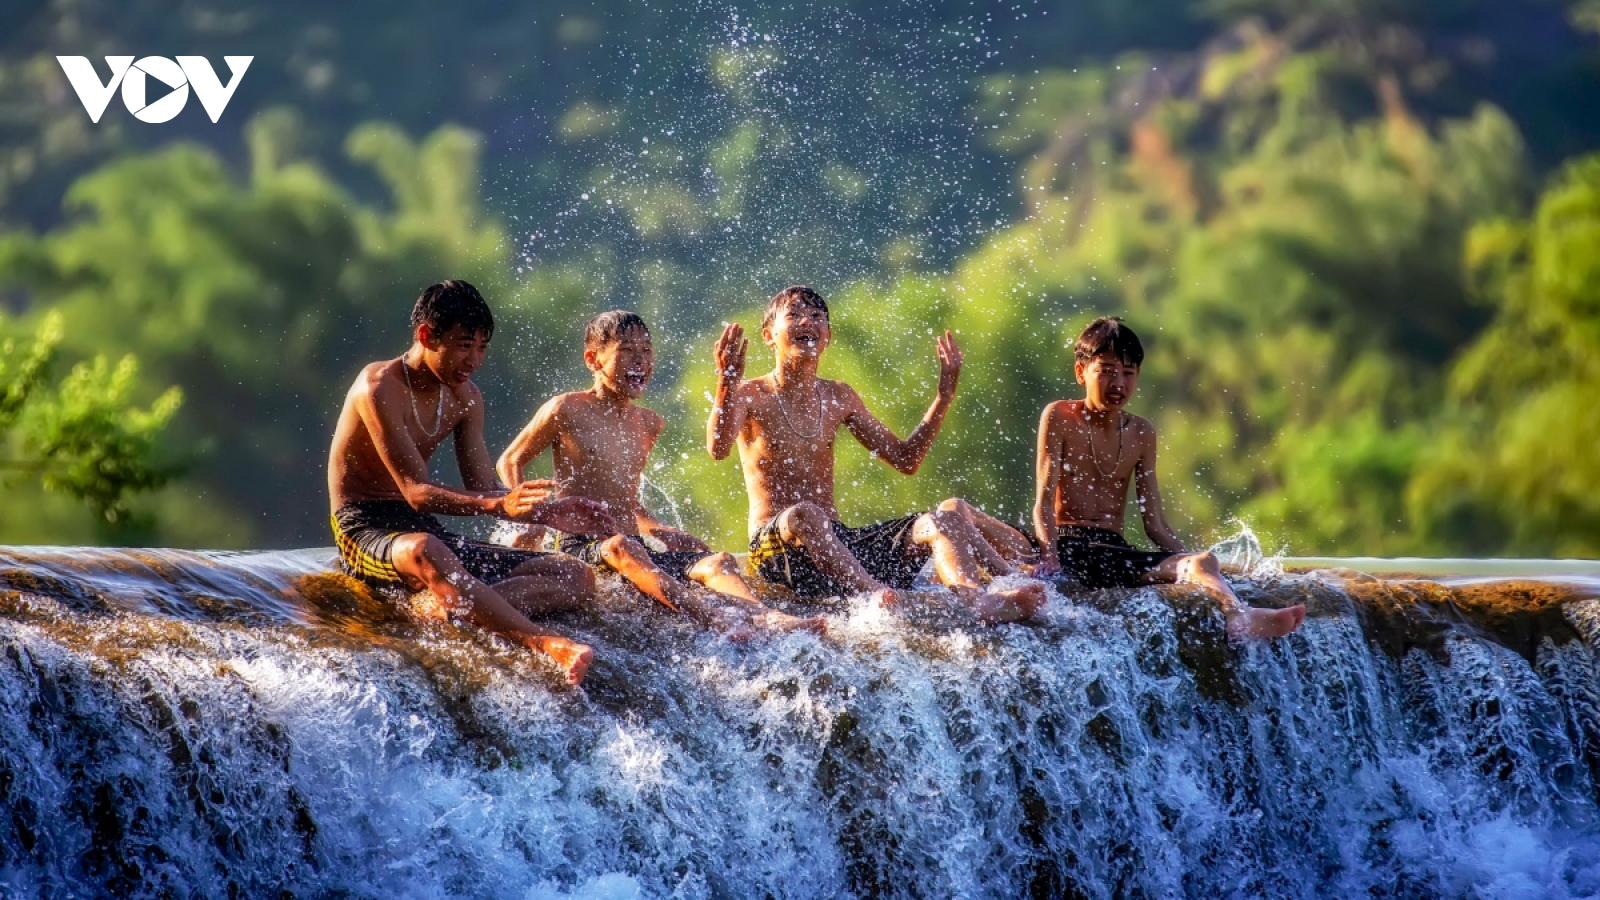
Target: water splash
(1413,740)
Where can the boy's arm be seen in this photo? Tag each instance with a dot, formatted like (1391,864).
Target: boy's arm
(1047,486)
(906,456)
(382,412)
(535,438)
(1148,492)
(727,405)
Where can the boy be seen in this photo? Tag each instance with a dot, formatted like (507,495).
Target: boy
(1089,450)
(784,424)
(601,441)
(395,416)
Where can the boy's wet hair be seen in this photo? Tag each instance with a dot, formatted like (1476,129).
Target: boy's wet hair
(609,327)
(794,295)
(447,304)
(1108,336)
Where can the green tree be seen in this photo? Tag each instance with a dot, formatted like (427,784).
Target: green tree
(261,295)
(1518,471)
(82,437)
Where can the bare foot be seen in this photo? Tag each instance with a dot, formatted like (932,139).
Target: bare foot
(1015,604)
(1250,622)
(772,620)
(735,624)
(573,658)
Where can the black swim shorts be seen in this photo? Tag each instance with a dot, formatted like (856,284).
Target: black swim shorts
(885,550)
(587,548)
(1100,558)
(366,531)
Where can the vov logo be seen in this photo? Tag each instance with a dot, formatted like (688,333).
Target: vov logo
(179,76)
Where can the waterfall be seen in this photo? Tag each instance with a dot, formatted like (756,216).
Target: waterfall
(178,724)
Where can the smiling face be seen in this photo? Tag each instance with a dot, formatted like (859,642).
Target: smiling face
(623,366)
(799,331)
(453,355)
(1109,381)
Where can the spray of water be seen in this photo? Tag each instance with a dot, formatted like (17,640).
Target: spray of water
(298,739)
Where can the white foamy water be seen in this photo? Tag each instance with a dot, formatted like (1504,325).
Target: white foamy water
(1119,749)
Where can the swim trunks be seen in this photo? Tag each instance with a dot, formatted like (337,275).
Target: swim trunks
(365,532)
(885,550)
(587,548)
(1100,558)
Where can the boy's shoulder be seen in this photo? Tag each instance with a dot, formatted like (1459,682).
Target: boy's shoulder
(1072,411)
(833,389)
(374,374)
(580,403)
(571,401)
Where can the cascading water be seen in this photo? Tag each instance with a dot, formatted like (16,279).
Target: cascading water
(215,725)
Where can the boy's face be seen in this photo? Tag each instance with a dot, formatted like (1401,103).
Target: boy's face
(623,366)
(800,330)
(1109,381)
(454,354)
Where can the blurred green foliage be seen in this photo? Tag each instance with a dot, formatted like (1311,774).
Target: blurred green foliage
(1323,217)
(82,437)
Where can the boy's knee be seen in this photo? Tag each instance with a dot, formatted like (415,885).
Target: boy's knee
(941,521)
(1200,562)
(417,552)
(575,573)
(955,505)
(803,521)
(616,546)
(949,520)
(715,565)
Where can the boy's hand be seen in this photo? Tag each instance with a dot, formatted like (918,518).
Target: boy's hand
(520,500)
(730,353)
(1049,566)
(949,366)
(575,515)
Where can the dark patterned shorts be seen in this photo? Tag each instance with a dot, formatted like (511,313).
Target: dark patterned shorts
(885,550)
(1099,557)
(674,563)
(366,531)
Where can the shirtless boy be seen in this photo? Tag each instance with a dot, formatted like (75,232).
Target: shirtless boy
(1089,450)
(601,441)
(397,413)
(784,424)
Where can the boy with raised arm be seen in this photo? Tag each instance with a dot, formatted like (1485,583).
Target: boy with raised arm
(784,424)
(1089,450)
(397,413)
(601,441)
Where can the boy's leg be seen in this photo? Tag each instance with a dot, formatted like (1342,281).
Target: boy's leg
(426,559)
(628,558)
(720,572)
(807,525)
(548,583)
(1204,571)
(1011,544)
(957,546)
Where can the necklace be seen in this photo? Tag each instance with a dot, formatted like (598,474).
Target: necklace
(1095,457)
(788,420)
(438,414)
